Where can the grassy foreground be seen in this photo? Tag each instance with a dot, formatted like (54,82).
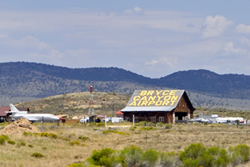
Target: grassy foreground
(71,143)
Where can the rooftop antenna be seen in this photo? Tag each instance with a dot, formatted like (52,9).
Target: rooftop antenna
(91,101)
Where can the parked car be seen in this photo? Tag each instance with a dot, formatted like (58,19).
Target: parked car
(113,119)
(84,120)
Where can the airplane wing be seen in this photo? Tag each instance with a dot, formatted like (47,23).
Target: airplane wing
(31,119)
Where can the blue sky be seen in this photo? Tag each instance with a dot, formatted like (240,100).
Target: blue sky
(151,38)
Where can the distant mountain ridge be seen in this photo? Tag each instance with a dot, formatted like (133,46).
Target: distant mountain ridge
(23,79)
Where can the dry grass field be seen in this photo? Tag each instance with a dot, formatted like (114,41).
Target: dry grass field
(65,145)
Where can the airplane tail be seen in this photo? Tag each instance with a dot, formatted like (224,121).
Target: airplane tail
(13,108)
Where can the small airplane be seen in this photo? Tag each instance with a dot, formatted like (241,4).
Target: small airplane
(199,120)
(16,114)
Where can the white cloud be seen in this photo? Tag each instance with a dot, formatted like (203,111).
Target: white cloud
(243,29)
(214,26)
(170,62)
(135,10)
(229,48)
(245,41)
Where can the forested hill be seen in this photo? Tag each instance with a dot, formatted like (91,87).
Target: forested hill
(41,80)
(227,85)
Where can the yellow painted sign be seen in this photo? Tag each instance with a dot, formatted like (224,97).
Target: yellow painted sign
(154,98)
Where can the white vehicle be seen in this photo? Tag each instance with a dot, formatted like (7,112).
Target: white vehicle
(229,119)
(113,119)
(200,120)
(84,120)
(16,114)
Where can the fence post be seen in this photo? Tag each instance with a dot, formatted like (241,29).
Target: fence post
(105,121)
(133,120)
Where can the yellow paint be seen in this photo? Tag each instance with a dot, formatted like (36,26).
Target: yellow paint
(165,103)
(150,92)
(158,103)
(172,92)
(136,98)
(151,98)
(144,103)
(151,102)
(155,98)
(133,103)
(143,93)
(158,92)
(165,93)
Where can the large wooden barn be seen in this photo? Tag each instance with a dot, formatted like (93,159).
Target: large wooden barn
(167,106)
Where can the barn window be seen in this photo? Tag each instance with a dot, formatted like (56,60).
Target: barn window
(152,119)
(127,118)
(161,119)
(136,119)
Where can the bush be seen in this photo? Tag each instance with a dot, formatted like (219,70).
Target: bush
(103,157)
(142,123)
(159,124)
(83,138)
(132,156)
(100,124)
(21,143)
(3,138)
(239,154)
(147,128)
(132,128)
(193,151)
(27,133)
(11,142)
(168,126)
(37,155)
(52,135)
(167,159)
(150,158)
(76,165)
(72,143)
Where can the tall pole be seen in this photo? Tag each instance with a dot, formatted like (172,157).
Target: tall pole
(91,101)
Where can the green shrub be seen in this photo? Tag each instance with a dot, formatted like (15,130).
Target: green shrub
(168,126)
(103,157)
(239,154)
(193,151)
(189,162)
(21,143)
(132,128)
(100,124)
(27,134)
(76,165)
(83,138)
(44,134)
(31,146)
(148,128)
(72,143)
(3,138)
(132,156)
(159,124)
(52,135)
(168,159)
(11,142)
(150,157)
(37,155)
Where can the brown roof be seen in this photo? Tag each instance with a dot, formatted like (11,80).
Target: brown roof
(7,108)
(3,109)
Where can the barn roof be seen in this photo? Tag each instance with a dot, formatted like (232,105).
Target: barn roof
(154,100)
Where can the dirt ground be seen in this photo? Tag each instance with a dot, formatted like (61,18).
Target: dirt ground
(59,152)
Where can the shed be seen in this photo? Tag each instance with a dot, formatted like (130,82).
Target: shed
(167,106)
(119,114)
